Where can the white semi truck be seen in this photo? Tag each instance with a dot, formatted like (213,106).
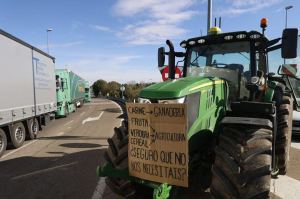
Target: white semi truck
(27,90)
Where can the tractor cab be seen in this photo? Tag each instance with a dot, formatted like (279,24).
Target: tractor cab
(240,58)
(234,57)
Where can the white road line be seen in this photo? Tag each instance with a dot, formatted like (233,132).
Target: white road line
(120,110)
(42,171)
(99,191)
(89,119)
(66,124)
(285,187)
(60,133)
(18,149)
(81,114)
(295,145)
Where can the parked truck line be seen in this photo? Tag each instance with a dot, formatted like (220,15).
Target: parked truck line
(32,91)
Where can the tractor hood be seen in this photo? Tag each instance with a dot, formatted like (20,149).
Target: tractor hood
(172,89)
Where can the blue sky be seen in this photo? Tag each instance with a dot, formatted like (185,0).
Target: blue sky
(118,39)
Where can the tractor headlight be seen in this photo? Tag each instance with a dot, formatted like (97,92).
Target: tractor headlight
(144,101)
(173,101)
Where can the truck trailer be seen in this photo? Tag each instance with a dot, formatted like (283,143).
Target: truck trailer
(70,89)
(28,95)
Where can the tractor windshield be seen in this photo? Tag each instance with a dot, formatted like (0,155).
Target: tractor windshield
(229,61)
(224,56)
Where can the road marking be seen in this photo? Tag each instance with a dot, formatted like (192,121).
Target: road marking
(60,134)
(285,187)
(120,110)
(42,171)
(99,191)
(92,118)
(66,124)
(295,145)
(18,149)
(81,114)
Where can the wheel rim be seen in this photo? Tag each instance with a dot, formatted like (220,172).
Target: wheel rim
(34,128)
(19,134)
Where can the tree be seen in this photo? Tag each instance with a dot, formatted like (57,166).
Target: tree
(100,86)
(129,93)
(132,89)
(114,88)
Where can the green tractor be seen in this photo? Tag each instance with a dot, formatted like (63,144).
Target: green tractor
(239,117)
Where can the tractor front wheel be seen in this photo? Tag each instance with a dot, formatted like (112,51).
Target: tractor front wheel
(117,156)
(242,164)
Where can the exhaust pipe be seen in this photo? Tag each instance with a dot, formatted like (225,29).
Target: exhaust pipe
(171,60)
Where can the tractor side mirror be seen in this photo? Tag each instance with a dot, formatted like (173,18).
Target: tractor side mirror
(161,57)
(289,43)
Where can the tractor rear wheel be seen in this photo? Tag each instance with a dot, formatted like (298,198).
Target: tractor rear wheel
(117,155)
(284,133)
(242,164)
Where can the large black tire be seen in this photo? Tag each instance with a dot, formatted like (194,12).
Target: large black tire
(242,167)
(117,155)
(33,129)
(17,134)
(3,142)
(284,133)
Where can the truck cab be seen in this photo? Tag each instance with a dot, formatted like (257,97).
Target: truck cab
(63,94)
(70,91)
(87,96)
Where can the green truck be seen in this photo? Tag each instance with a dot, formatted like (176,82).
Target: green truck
(87,96)
(70,92)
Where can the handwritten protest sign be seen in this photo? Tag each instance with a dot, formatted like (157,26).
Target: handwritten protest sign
(158,145)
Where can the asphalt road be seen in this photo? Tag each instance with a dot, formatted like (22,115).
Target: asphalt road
(62,162)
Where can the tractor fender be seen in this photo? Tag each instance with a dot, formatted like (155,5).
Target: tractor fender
(248,120)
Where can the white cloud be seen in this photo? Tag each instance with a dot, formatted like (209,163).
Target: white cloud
(100,28)
(236,7)
(159,19)
(151,33)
